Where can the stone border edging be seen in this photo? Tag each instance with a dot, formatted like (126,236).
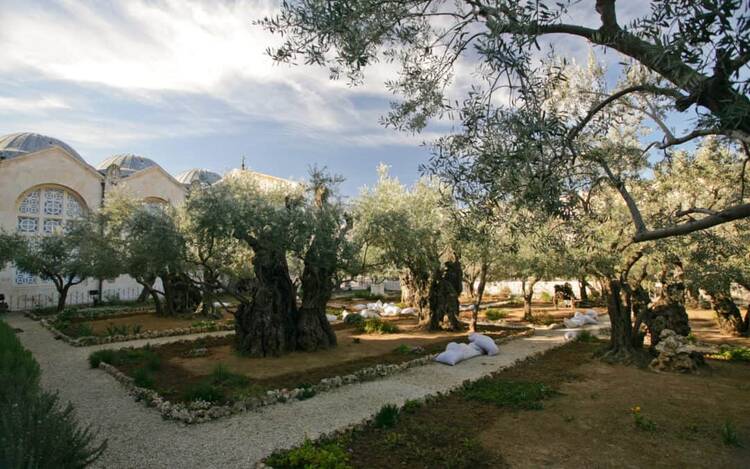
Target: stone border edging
(86,341)
(202,411)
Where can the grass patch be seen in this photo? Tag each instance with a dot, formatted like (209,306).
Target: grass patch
(328,455)
(377,326)
(729,435)
(495,314)
(387,416)
(544,319)
(524,395)
(127,356)
(586,337)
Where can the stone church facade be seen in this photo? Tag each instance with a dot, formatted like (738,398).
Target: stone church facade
(44,183)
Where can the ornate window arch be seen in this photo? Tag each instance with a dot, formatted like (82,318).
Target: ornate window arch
(41,211)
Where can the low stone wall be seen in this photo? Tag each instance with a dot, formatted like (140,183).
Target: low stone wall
(201,411)
(98,340)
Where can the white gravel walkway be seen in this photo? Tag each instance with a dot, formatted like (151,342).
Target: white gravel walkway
(139,438)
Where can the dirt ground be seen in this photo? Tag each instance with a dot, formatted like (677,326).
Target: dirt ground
(148,321)
(588,424)
(368,345)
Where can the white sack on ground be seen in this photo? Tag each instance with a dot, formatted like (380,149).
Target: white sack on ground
(570,335)
(579,320)
(484,342)
(331,317)
(409,311)
(359,307)
(369,313)
(456,353)
(391,310)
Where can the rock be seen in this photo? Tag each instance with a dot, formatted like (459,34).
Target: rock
(197,352)
(676,354)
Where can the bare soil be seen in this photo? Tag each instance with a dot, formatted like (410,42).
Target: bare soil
(588,424)
(148,321)
(354,351)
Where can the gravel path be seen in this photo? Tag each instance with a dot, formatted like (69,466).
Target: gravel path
(139,438)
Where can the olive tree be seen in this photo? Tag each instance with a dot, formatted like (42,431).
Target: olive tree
(412,230)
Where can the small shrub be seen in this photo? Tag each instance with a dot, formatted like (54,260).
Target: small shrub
(642,422)
(515,394)
(106,356)
(586,337)
(411,406)
(151,361)
(378,326)
(545,297)
(494,314)
(354,318)
(729,435)
(204,391)
(222,376)
(403,348)
(307,392)
(386,417)
(733,353)
(113,330)
(310,455)
(143,378)
(136,329)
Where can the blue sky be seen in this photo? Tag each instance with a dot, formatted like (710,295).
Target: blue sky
(188,84)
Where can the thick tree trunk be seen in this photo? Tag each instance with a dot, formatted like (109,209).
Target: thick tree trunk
(621,347)
(145,292)
(728,314)
(527,287)
(265,325)
(582,284)
(407,289)
(478,297)
(314,332)
(156,300)
(444,293)
(640,301)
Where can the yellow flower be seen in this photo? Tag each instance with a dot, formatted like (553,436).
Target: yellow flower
(636,409)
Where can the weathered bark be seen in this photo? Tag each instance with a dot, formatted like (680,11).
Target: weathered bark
(444,293)
(639,300)
(582,284)
(407,289)
(62,297)
(621,348)
(528,295)
(478,297)
(180,294)
(314,332)
(728,314)
(668,311)
(147,286)
(264,326)
(143,296)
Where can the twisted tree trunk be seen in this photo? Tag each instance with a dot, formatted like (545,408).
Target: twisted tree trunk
(264,326)
(478,298)
(314,332)
(621,348)
(444,296)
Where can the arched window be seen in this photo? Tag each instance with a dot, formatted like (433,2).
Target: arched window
(45,209)
(155,203)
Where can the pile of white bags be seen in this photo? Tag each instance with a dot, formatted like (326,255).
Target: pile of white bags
(580,319)
(379,308)
(408,311)
(456,353)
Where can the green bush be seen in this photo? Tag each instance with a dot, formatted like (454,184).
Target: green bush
(586,336)
(113,330)
(221,376)
(354,318)
(35,430)
(545,297)
(733,353)
(386,417)
(493,314)
(311,456)
(514,394)
(378,326)
(143,378)
(411,406)
(729,435)
(106,356)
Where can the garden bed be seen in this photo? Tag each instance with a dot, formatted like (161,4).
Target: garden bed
(198,380)
(87,329)
(573,409)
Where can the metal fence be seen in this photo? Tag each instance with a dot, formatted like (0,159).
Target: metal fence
(47,299)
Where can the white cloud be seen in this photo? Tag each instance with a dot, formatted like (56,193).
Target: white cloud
(32,105)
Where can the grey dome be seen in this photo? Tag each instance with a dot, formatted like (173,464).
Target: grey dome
(127,163)
(21,143)
(203,176)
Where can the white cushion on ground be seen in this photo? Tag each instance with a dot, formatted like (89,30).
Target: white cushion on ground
(331,317)
(485,343)
(409,311)
(391,310)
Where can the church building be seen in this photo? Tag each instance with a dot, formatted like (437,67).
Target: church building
(44,183)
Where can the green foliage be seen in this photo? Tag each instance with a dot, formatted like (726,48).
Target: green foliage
(545,297)
(204,391)
(387,416)
(35,429)
(145,357)
(411,406)
(503,393)
(105,355)
(307,391)
(121,329)
(641,421)
(309,456)
(733,353)
(586,337)
(73,329)
(403,348)
(221,376)
(544,319)
(143,378)
(729,435)
(378,326)
(494,314)
(354,318)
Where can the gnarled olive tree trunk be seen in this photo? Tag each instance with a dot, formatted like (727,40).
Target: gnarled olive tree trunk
(444,293)
(314,332)
(727,313)
(621,345)
(668,311)
(180,294)
(264,326)
(527,287)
